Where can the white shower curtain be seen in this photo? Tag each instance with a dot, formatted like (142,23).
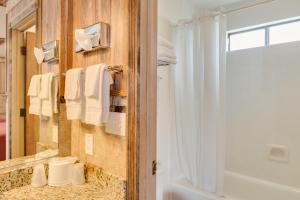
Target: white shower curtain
(199,84)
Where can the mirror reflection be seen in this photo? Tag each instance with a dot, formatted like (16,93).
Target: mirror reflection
(28,95)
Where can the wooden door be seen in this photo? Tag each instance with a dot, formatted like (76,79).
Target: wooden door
(31,121)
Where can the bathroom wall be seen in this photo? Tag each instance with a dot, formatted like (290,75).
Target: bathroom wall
(263,107)
(49,30)
(110,151)
(174,10)
(263,100)
(2,29)
(274,11)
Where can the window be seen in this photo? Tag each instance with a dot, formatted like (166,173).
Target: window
(272,34)
(246,40)
(285,33)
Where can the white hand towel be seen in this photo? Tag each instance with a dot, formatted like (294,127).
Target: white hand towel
(49,105)
(75,100)
(116,124)
(92,75)
(97,108)
(73,84)
(45,85)
(34,86)
(33,93)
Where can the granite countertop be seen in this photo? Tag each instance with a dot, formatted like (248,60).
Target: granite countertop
(100,185)
(26,161)
(88,191)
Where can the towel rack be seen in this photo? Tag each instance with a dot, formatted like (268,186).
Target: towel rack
(112,68)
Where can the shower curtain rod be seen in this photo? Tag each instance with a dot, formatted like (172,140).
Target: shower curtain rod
(227,11)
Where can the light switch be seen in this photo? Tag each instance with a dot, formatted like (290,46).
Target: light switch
(89,144)
(55,133)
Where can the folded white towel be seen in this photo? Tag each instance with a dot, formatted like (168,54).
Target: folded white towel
(75,103)
(33,93)
(165,52)
(97,108)
(49,105)
(166,60)
(165,43)
(46,85)
(73,84)
(34,86)
(92,74)
(116,124)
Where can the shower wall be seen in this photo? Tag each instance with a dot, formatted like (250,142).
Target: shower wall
(263,108)
(263,101)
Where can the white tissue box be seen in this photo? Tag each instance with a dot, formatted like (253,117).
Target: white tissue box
(116,124)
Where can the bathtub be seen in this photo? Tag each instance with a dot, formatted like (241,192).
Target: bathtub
(241,187)
(237,187)
(183,190)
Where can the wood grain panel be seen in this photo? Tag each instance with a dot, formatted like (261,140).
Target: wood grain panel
(2,76)
(142,100)
(51,29)
(49,26)
(17,95)
(31,121)
(110,151)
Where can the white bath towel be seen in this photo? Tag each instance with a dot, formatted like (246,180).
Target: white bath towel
(73,84)
(165,43)
(165,52)
(45,85)
(166,60)
(116,124)
(33,93)
(97,108)
(74,94)
(93,76)
(49,104)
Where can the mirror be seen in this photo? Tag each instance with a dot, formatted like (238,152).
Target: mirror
(29,103)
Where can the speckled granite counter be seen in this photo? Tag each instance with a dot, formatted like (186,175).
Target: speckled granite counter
(88,191)
(26,161)
(100,185)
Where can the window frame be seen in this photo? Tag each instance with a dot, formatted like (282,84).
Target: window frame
(265,27)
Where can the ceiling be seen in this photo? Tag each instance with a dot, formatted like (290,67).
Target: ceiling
(213,3)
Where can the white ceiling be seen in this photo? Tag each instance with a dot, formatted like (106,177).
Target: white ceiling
(213,3)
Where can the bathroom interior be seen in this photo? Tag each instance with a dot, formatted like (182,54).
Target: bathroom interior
(63,99)
(227,100)
(149,99)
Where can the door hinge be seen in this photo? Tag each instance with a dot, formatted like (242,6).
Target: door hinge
(154,167)
(23,50)
(22,112)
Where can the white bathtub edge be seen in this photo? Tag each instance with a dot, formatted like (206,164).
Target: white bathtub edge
(244,187)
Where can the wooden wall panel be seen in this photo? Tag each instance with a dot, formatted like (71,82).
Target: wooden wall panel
(2,76)
(49,26)
(110,152)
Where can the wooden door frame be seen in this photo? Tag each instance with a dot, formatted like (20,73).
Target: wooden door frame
(142,100)
(15,35)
